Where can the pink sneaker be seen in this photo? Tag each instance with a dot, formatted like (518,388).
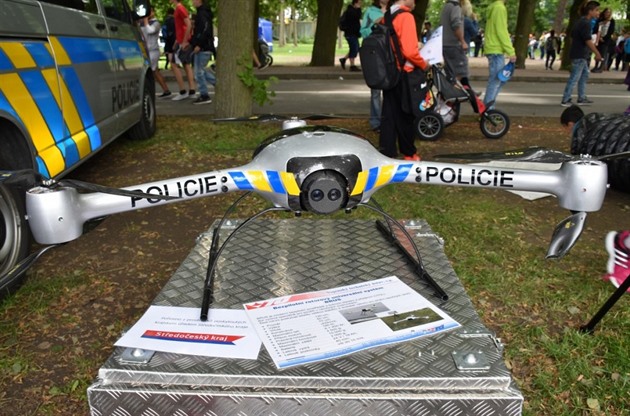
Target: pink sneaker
(618,266)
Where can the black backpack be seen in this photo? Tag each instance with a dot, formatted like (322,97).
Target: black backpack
(378,59)
(343,21)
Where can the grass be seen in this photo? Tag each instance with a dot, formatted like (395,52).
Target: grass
(495,242)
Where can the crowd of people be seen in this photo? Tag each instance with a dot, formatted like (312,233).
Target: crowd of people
(188,46)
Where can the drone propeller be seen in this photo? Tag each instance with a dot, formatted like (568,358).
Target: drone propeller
(24,177)
(279,117)
(530,154)
(29,178)
(92,187)
(613,156)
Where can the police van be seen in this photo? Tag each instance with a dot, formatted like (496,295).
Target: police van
(74,75)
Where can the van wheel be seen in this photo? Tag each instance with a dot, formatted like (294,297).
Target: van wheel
(14,237)
(145,128)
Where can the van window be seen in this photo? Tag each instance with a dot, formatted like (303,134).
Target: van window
(83,5)
(116,10)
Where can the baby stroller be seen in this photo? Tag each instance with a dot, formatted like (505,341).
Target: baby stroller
(449,93)
(264,56)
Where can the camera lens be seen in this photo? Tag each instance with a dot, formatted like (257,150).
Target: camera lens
(317,195)
(334,194)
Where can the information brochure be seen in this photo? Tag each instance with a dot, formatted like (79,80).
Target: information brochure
(308,327)
(227,333)
(432,50)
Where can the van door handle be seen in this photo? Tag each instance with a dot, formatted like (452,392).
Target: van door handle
(101,26)
(113,28)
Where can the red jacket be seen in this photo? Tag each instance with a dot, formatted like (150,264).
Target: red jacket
(405,27)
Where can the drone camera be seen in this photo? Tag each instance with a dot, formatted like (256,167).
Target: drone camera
(325,183)
(324,192)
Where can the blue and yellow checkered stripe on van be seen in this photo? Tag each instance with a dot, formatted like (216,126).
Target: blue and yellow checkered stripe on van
(53,106)
(285,182)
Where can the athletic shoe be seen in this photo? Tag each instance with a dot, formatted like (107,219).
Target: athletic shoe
(342,61)
(618,266)
(202,100)
(415,157)
(180,96)
(585,101)
(354,68)
(165,94)
(567,103)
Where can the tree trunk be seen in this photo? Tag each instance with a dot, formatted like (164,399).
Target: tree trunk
(420,15)
(282,38)
(574,16)
(233,98)
(294,27)
(524,23)
(557,22)
(328,12)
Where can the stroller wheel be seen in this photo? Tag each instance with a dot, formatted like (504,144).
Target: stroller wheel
(494,124)
(429,126)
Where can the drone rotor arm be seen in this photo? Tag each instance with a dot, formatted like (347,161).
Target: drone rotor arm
(57,215)
(579,185)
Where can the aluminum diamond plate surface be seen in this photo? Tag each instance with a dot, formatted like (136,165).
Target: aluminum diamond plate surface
(271,258)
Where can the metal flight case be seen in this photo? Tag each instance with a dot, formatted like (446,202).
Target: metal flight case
(460,372)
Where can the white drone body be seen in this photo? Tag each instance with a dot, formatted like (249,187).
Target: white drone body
(317,169)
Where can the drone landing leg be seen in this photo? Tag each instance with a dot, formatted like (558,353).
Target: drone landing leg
(590,327)
(208,289)
(418,268)
(208,286)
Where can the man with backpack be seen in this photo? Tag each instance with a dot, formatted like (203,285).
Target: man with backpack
(350,25)
(397,122)
(374,14)
(551,46)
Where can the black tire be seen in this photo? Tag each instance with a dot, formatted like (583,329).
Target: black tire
(599,134)
(14,237)
(429,126)
(494,124)
(269,60)
(145,128)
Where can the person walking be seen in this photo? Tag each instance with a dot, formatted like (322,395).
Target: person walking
(497,44)
(168,37)
(581,47)
(604,40)
(182,51)
(471,26)
(150,28)
(373,14)
(396,124)
(351,25)
(454,46)
(202,42)
(551,46)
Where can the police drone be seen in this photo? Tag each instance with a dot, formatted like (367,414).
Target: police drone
(321,170)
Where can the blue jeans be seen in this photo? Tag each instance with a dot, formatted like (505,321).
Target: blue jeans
(203,75)
(579,74)
(353,43)
(496,62)
(375,109)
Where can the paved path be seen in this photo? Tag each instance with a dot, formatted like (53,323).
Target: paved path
(533,91)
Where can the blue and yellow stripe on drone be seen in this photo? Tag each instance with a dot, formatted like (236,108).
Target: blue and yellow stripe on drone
(378,176)
(285,183)
(266,181)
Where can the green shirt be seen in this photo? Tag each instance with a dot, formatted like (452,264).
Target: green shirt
(497,39)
